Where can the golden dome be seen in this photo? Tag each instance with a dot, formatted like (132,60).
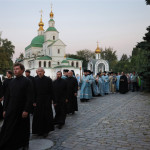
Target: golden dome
(51,15)
(41,24)
(97,51)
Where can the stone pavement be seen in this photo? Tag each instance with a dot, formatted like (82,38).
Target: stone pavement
(113,122)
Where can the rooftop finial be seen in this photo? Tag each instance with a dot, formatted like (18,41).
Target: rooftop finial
(41,24)
(97,51)
(51,13)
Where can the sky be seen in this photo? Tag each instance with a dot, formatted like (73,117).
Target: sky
(119,24)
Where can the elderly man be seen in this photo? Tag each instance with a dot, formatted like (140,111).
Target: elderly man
(15,131)
(43,115)
(60,99)
(72,89)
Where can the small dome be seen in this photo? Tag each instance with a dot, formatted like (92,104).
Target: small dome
(38,40)
(65,61)
(51,15)
(97,51)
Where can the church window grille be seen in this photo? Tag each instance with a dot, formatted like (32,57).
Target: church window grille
(53,37)
(72,64)
(58,51)
(77,64)
(44,63)
(58,63)
(49,64)
(39,63)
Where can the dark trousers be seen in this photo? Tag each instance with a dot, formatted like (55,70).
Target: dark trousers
(135,86)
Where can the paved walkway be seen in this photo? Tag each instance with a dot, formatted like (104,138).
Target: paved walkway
(113,122)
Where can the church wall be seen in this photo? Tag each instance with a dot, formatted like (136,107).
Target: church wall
(58,56)
(36,51)
(27,53)
(49,35)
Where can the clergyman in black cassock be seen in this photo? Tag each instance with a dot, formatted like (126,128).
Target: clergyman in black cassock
(15,131)
(27,73)
(72,89)
(123,85)
(6,83)
(1,95)
(60,99)
(43,115)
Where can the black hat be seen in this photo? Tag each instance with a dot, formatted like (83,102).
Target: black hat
(85,70)
(27,71)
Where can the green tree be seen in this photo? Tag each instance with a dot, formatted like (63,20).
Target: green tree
(84,55)
(141,58)
(148,2)
(124,58)
(124,65)
(6,54)
(21,56)
(110,55)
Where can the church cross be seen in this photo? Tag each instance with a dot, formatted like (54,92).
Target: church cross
(97,43)
(41,12)
(51,6)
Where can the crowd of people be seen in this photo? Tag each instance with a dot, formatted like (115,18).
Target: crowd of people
(106,83)
(23,96)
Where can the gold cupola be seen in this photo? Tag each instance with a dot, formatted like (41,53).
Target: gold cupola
(41,24)
(51,13)
(97,51)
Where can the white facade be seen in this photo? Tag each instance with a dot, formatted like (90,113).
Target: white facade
(48,51)
(98,65)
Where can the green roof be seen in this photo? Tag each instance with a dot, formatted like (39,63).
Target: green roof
(44,58)
(63,66)
(51,29)
(52,43)
(72,59)
(18,60)
(51,20)
(65,61)
(36,42)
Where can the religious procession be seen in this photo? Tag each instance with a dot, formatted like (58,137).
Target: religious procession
(48,102)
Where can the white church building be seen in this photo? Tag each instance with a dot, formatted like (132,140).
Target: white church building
(98,65)
(47,50)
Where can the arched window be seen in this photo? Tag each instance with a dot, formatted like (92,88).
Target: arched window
(53,37)
(58,63)
(39,63)
(58,51)
(72,63)
(44,63)
(77,64)
(49,64)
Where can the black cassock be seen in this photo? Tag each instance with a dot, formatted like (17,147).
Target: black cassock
(33,83)
(59,98)
(1,95)
(15,131)
(123,85)
(72,88)
(43,115)
(5,88)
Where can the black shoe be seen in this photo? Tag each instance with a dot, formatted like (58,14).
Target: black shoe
(45,135)
(26,147)
(73,113)
(60,126)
